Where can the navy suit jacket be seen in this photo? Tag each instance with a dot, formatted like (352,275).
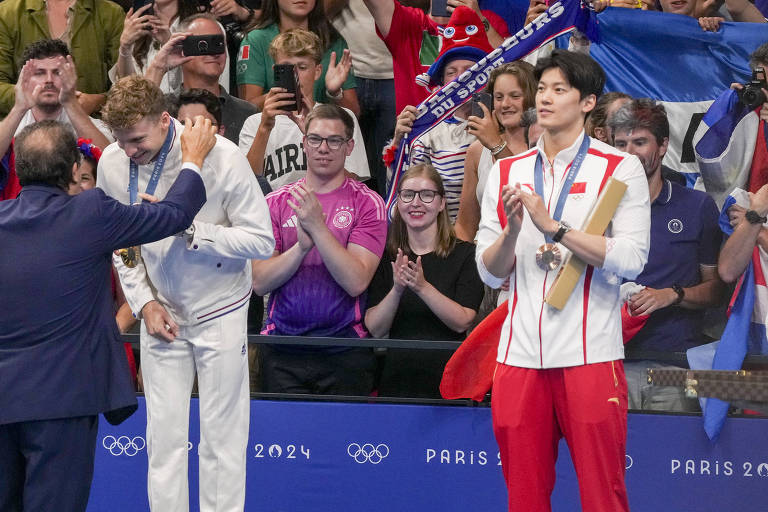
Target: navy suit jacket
(60,350)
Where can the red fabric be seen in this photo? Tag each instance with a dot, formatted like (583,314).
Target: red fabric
(631,325)
(579,188)
(404,43)
(532,409)
(12,186)
(469,372)
(758,172)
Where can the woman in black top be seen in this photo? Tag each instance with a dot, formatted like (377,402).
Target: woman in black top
(426,286)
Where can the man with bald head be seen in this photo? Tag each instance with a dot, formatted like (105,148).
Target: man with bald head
(202,71)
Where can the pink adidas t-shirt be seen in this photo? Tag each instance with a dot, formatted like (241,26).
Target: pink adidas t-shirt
(312,303)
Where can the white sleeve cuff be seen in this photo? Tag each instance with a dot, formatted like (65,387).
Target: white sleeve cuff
(190,165)
(486,276)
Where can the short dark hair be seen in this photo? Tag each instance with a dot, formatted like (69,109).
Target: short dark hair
(759,57)
(203,97)
(44,49)
(45,153)
(330,111)
(598,117)
(582,71)
(641,113)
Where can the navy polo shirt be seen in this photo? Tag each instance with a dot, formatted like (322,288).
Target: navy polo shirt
(684,235)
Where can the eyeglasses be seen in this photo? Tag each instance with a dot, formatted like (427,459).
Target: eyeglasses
(427,196)
(334,142)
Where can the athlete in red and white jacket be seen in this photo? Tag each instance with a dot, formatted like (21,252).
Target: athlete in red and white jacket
(560,371)
(532,336)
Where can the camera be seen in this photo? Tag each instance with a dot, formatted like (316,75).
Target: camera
(752,95)
(203,45)
(234,29)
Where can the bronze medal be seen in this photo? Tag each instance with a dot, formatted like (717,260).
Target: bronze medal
(130,256)
(548,257)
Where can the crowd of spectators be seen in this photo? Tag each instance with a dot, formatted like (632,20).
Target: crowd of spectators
(361,68)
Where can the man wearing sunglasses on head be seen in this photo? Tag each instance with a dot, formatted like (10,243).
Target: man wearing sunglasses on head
(330,232)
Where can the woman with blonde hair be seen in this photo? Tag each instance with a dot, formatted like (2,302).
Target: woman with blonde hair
(426,287)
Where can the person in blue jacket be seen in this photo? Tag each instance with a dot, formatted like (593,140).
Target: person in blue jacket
(61,358)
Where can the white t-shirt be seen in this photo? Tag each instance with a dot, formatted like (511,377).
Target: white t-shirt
(284,158)
(64,119)
(484,165)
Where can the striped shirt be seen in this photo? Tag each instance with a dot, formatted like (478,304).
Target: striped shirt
(445,147)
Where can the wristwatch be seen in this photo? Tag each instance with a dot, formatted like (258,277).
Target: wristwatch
(563,229)
(680,294)
(755,218)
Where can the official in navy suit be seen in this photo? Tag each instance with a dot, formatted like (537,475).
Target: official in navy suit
(61,359)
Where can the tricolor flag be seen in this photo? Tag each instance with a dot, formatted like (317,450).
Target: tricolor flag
(668,57)
(745,331)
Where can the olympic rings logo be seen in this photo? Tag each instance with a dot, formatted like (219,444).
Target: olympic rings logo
(368,452)
(123,445)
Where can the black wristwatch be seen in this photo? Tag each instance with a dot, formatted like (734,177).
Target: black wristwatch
(680,294)
(564,228)
(755,218)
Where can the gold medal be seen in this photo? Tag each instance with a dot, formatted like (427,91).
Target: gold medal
(548,257)
(130,256)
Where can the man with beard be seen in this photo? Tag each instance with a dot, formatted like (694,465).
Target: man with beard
(45,91)
(680,279)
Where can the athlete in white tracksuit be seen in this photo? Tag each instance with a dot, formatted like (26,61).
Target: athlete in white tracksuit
(203,279)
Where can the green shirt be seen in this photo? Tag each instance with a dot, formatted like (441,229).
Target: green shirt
(254,64)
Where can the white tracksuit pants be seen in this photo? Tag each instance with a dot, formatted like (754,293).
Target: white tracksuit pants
(217,351)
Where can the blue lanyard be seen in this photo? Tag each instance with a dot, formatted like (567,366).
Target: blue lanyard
(538,179)
(133,183)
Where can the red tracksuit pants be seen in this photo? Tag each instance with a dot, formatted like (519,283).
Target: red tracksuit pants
(532,409)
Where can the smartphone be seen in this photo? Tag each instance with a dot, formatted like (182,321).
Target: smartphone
(253,4)
(138,4)
(440,8)
(477,99)
(212,44)
(287,77)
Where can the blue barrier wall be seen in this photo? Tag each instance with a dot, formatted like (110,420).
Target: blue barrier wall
(338,457)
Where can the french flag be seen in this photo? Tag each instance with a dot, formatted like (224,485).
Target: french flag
(669,58)
(745,331)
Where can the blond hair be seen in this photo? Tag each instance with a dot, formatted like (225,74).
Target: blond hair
(398,231)
(297,42)
(130,100)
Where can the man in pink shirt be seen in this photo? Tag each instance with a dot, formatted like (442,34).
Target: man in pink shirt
(330,232)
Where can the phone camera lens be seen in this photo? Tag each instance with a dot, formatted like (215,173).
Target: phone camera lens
(202,46)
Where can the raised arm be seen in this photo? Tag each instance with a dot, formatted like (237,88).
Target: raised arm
(382,11)
(24,99)
(737,250)
(79,118)
(744,10)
